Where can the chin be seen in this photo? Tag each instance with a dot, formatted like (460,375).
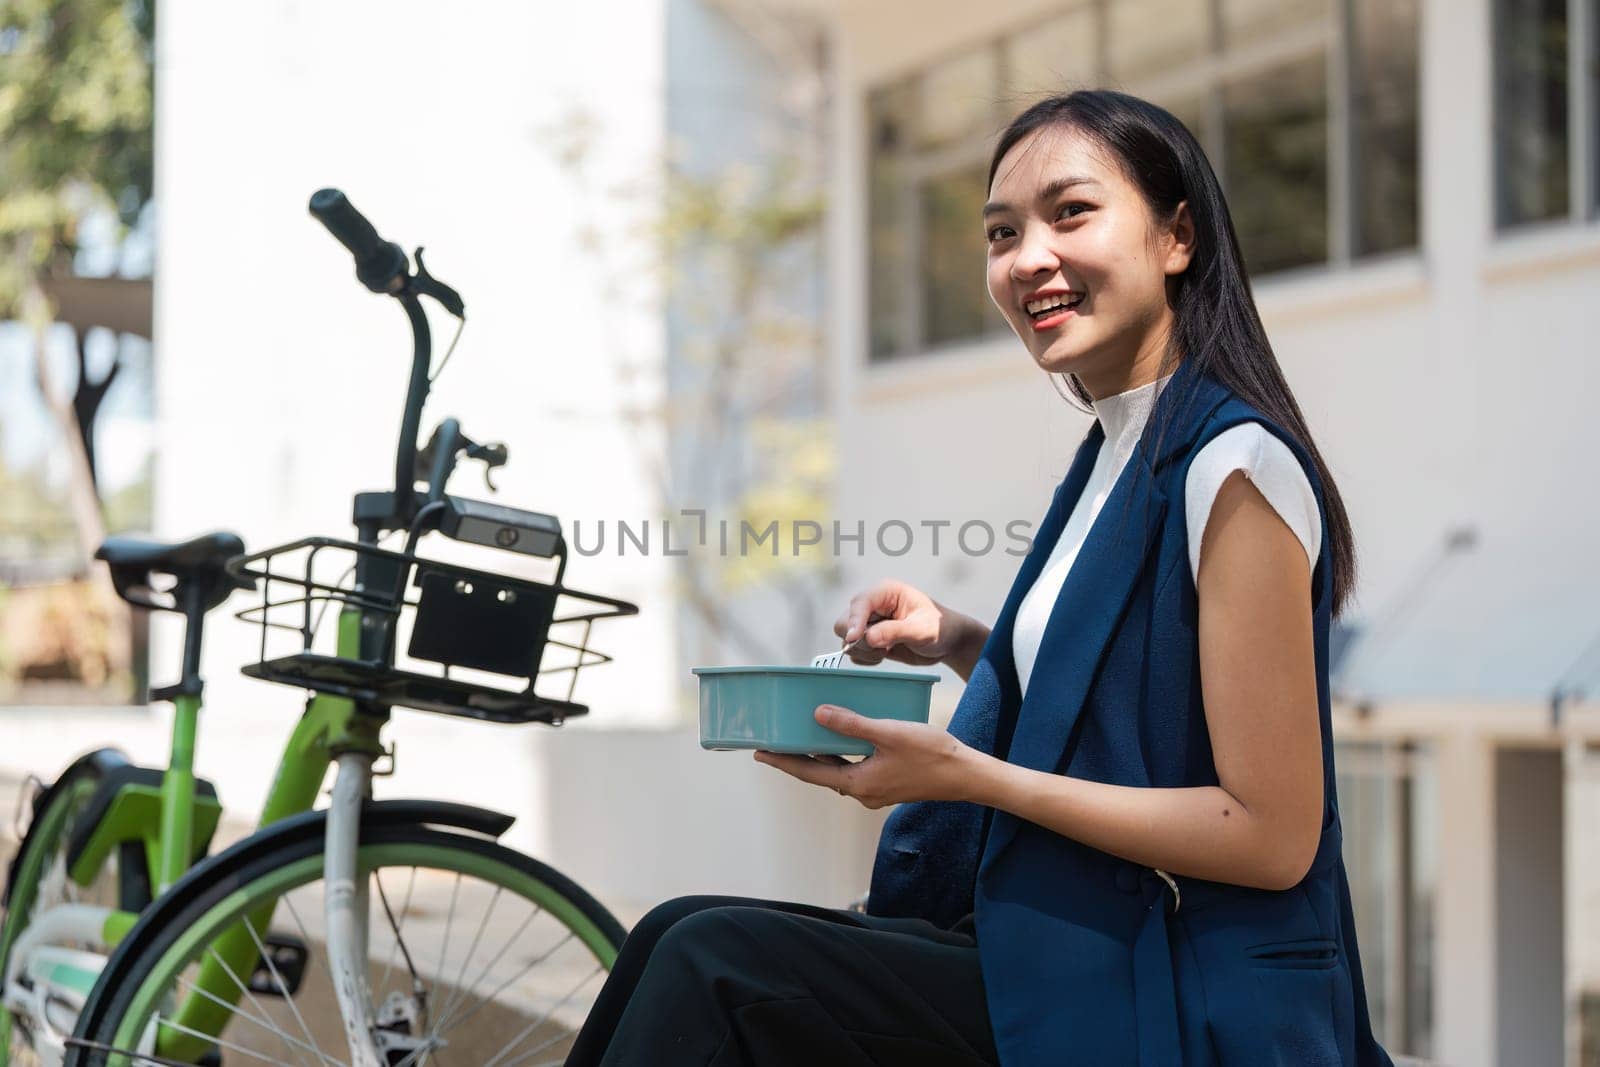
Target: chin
(1054,361)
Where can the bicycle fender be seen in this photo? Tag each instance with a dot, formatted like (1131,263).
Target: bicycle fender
(105,760)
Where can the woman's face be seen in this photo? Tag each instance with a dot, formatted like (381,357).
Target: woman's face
(1078,265)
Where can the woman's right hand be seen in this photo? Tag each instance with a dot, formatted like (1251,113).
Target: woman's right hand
(896,621)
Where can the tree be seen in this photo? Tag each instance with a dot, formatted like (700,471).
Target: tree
(75,138)
(737,252)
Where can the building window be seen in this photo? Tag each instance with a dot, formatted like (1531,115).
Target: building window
(1387,808)
(1307,108)
(1546,122)
(1531,110)
(1275,152)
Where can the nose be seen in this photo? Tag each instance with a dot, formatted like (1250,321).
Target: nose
(1034,255)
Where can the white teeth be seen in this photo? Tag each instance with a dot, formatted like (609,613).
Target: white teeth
(1059,300)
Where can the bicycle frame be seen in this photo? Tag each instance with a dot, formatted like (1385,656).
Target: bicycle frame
(329,726)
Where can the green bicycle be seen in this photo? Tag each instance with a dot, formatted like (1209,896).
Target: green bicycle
(394,932)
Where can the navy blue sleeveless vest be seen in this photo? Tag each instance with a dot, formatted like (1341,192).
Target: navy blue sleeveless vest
(1089,959)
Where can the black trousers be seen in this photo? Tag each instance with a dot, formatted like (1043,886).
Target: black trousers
(736,982)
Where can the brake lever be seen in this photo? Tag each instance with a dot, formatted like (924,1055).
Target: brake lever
(425,284)
(491,456)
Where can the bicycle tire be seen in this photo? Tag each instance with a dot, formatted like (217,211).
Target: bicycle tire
(285,859)
(41,854)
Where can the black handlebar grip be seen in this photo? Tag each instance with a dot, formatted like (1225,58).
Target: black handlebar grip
(379,263)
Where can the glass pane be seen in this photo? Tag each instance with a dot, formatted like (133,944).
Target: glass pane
(1146,38)
(1384,115)
(888,197)
(1419,909)
(1365,797)
(1247,22)
(955,297)
(1055,56)
(1594,105)
(1530,110)
(958,99)
(1276,159)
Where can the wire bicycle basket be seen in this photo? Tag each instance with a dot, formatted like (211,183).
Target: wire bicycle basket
(475,643)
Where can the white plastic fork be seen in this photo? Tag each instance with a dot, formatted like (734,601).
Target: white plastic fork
(829,660)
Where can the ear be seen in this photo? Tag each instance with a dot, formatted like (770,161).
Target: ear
(1179,241)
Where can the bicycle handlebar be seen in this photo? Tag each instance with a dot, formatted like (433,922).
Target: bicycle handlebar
(384,267)
(381,265)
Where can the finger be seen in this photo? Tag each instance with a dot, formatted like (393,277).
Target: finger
(884,633)
(844,721)
(902,654)
(806,769)
(881,601)
(864,653)
(856,616)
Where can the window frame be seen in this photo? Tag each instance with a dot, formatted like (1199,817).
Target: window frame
(1204,80)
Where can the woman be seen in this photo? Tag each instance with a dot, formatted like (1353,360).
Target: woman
(1126,848)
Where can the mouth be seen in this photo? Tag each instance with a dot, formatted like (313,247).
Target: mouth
(1049,312)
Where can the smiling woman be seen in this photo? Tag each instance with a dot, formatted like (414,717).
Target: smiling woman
(1126,847)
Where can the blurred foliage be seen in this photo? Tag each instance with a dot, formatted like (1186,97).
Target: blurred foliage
(745,410)
(60,633)
(132,507)
(735,250)
(75,131)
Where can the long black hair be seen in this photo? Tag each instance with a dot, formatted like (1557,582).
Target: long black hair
(1216,324)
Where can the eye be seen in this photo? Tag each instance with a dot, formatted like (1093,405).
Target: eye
(1073,209)
(1000,233)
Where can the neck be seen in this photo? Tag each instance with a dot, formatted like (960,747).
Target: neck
(1142,368)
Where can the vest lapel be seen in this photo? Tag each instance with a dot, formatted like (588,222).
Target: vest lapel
(998,647)
(1092,599)
(1085,615)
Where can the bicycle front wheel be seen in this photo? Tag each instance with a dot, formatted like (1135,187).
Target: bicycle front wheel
(476,955)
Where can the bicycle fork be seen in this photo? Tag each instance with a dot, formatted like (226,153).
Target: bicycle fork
(345,905)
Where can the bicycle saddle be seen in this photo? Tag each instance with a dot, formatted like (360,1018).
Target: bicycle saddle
(199,560)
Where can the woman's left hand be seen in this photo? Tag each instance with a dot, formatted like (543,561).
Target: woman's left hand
(913,761)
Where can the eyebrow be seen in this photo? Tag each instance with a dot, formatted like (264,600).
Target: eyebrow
(1050,191)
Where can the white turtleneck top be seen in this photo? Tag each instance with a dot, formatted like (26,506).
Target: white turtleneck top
(1265,460)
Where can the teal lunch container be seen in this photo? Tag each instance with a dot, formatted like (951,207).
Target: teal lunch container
(772,708)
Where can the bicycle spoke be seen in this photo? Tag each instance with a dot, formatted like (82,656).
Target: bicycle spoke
(273,967)
(534,1026)
(489,967)
(244,987)
(396,928)
(455,993)
(221,1042)
(444,948)
(265,1024)
(509,982)
(305,935)
(145,1059)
